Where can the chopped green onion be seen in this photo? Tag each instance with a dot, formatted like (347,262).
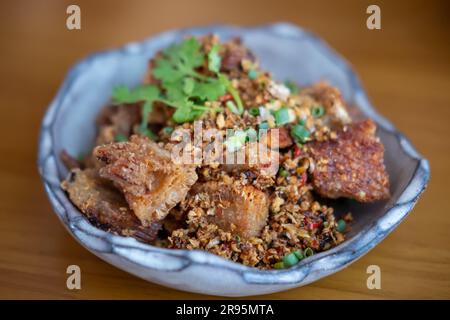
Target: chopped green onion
(236,141)
(279,265)
(299,254)
(300,133)
(293,88)
(289,260)
(263,125)
(254,111)
(308,252)
(252,135)
(281,116)
(146,109)
(252,74)
(301,122)
(238,238)
(232,106)
(168,130)
(120,138)
(283,172)
(317,111)
(341,225)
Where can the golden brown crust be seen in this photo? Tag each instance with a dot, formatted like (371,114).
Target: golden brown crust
(105,206)
(116,120)
(336,112)
(242,210)
(351,165)
(144,172)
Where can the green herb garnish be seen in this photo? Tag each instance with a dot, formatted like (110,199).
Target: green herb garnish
(292,86)
(308,252)
(252,74)
(254,111)
(341,225)
(279,265)
(299,254)
(281,116)
(252,135)
(317,111)
(214,59)
(283,172)
(290,259)
(168,130)
(236,141)
(263,126)
(300,133)
(182,87)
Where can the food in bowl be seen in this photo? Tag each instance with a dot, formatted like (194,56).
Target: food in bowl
(211,153)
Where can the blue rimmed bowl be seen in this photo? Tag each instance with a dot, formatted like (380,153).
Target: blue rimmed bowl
(288,52)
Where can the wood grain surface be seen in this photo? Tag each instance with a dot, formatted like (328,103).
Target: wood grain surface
(405,68)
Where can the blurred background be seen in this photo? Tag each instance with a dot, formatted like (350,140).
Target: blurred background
(405,68)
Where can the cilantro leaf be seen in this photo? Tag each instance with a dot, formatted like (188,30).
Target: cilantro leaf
(189,52)
(188,85)
(165,71)
(122,94)
(184,112)
(175,90)
(179,60)
(214,59)
(210,91)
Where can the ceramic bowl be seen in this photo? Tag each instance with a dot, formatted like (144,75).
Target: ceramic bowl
(289,52)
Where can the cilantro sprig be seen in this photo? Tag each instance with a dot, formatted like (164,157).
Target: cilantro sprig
(182,86)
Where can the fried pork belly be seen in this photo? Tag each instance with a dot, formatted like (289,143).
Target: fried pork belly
(350,166)
(235,208)
(336,113)
(117,119)
(144,172)
(105,206)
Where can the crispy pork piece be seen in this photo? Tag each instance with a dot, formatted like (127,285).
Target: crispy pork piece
(336,113)
(238,209)
(351,166)
(105,206)
(117,119)
(144,172)
(234,53)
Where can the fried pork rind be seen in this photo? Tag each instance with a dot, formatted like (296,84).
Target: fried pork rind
(350,166)
(117,119)
(239,209)
(144,172)
(336,113)
(105,206)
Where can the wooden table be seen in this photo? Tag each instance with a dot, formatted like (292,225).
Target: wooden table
(405,67)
